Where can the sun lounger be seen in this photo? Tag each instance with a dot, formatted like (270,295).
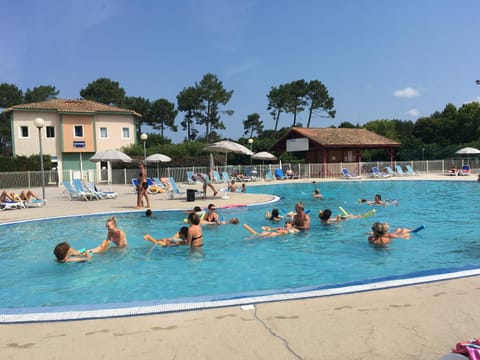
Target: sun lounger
(410,171)
(34,203)
(11,205)
(226,177)
(90,186)
(379,174)
(465,170)
(279,175)
(268,176)
(400,170)
(347,175)
(72,193)
(390,171)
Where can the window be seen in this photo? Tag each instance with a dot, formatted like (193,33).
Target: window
(50,131)
(103,133)
(24,132)
(78,131)
(125,133)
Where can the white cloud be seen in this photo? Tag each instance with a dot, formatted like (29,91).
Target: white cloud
(413,113)
(407,92)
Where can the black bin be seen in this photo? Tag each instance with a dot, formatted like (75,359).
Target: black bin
(191,194)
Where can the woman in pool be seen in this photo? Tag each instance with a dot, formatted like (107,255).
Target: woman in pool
(326,217)
(114,234)
(271,232)
(195,234)
(211,217)
(274,216)
(381,236)
(171,241)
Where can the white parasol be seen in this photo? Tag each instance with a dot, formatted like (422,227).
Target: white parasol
(227,146)
(263,155)
(468,151)
(110,155)
(158,158)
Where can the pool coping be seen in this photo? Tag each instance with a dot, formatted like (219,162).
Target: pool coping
(115,310)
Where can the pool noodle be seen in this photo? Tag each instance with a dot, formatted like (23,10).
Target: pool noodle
(420,228)
(250,229)
(343,211)
(369,213)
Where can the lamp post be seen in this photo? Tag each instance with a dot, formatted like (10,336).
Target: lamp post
(250,141)
(144,138)
(40,123)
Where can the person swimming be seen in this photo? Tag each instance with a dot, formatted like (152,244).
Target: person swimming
(381,236)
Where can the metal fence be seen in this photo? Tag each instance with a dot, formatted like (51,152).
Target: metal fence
(30,179)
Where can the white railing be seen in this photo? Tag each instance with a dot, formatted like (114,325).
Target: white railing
(29,179)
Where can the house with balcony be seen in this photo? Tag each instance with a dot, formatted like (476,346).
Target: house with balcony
(74,131)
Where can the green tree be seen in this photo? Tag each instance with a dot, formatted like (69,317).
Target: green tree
(212,94)
(41,93)
(141,106)
(10,95)
(105,91)
(296,102)
(318,101)
(162,114)
(277,100)
(253,124)
(189,101)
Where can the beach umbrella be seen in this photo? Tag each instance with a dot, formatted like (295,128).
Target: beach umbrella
(263,155)
(468,151)
(227,146)
(158,158)
(110,156)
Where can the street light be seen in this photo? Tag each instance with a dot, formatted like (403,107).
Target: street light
(250,141)
(144,138)
(40,123)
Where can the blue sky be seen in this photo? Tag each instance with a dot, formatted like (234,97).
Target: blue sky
(379,59)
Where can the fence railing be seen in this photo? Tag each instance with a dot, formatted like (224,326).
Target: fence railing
(30,179)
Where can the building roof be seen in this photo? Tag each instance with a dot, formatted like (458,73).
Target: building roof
(78,106)
(336,138)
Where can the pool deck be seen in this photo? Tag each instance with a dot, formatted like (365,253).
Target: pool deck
(412,322)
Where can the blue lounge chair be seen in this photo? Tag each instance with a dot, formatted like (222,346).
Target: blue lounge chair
(78,185)
(90,186)
(379,174)
(410,171)
(279,175)
(465,170)
(72,193)
(390,170)
(400,170)
(269,175)
(347,175)
(226,177)
(175,188)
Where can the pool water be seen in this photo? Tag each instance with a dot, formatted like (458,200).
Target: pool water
(230,261)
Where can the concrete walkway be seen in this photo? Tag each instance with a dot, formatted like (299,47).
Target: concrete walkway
(415,322)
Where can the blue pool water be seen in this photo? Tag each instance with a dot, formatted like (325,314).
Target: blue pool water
(230,262)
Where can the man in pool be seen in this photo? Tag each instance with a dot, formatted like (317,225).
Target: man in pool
(301,220)
(65,253)
(377,201)
(381,236)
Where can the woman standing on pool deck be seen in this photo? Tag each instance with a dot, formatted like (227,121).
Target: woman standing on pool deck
(195,234)
(114,234)
(142,186)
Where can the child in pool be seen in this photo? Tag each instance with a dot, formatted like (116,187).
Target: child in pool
(171,241)
(274,216)
(381,236)
(65,253)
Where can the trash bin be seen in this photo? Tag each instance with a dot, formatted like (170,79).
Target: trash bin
(191,194)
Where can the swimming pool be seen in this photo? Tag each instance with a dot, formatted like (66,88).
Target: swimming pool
(232,266)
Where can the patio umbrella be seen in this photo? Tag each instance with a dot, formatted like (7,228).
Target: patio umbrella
(227,146)
(468,151)
(263,155)
(111,156)
(158,158)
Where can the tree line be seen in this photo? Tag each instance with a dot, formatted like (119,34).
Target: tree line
(202,109)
